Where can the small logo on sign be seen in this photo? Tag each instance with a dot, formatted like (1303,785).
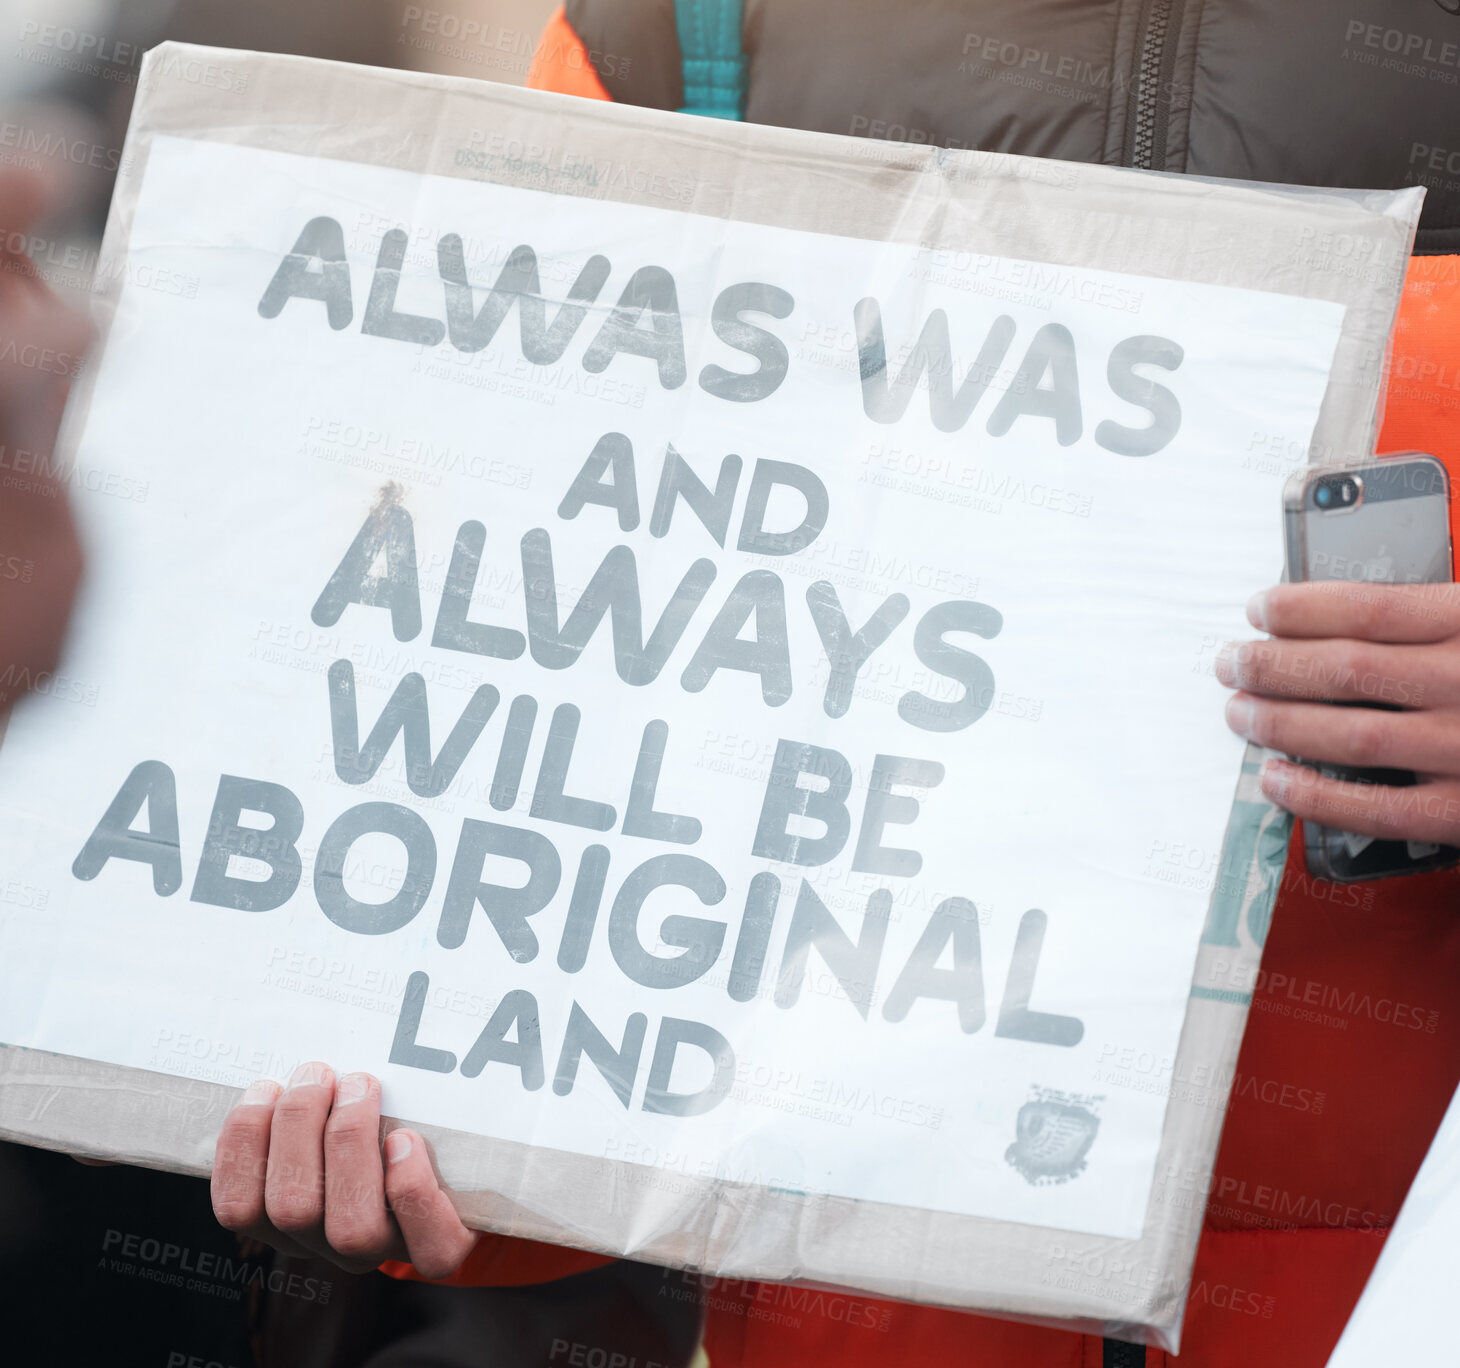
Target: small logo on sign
(1053,1134)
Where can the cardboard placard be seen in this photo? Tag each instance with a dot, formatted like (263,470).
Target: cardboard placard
(686,650)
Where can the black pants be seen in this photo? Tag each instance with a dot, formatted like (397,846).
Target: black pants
(625,1315)
(126,1268)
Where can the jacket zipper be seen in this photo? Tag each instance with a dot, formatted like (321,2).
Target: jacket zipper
(1148,108)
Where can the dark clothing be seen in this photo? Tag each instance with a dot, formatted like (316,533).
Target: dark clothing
(1302,91)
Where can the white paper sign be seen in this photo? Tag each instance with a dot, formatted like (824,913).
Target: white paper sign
(848,846)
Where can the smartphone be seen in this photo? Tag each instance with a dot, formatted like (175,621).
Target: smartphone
(1380,522)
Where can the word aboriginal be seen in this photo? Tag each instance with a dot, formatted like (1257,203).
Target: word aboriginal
(646,323)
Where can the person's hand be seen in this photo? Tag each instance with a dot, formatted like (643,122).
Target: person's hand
(41,341)
(300,1168)
(1395,645)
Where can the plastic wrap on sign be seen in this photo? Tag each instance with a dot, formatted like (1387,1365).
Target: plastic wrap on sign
(686,649)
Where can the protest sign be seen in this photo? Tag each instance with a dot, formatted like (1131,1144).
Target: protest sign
(686,651)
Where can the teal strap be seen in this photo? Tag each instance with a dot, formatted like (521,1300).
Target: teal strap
(714,65)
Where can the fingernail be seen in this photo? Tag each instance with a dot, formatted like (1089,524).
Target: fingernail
(1226,666)
(258,1093)
(351,1088)
(1239,715)
(311,1075)
(397,1146)
(1257,610)
(1275,778)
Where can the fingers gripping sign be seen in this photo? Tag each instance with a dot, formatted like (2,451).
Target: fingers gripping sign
(436,1241)
(303,1169)
(1394,648)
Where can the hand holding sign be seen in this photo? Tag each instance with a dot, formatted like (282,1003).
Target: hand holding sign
(1356,643)
(300,1168)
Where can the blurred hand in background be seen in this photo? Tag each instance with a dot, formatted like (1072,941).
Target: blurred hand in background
(42,341)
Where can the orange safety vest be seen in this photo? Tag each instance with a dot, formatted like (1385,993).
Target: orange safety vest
(1351,1054)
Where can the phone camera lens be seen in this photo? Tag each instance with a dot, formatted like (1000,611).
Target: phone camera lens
(1335,492)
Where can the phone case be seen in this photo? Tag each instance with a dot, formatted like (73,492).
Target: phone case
(1339,856)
